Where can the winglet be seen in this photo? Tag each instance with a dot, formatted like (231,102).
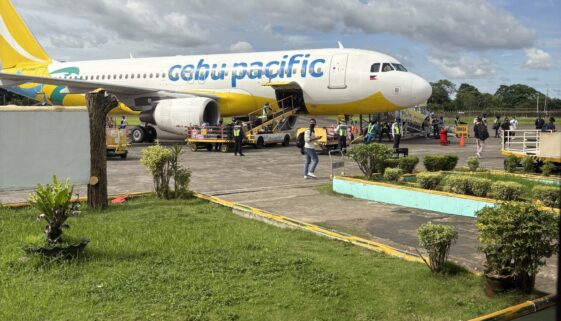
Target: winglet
(340,45)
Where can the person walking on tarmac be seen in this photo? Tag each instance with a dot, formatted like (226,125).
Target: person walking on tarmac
(397,129)
(238,138)
(310,150)
(481,134)
(341,130)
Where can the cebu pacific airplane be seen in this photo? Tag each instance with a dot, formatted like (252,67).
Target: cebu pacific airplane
(175,92)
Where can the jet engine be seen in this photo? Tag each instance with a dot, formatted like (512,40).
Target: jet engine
(175,115)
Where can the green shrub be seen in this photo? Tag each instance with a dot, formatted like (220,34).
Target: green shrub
(429,180)
(370,157)
(528,164)
(480,186)
(407,164)
(516,238)
(388,163)
(473,163)
(508,191)
(392,174)
(549,195)
(451,161)
(162,162)
(434,163)
(547,167)
(54,202)
(437,240)
(511,163)
(458,184)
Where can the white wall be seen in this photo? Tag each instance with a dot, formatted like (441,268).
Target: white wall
(37,143)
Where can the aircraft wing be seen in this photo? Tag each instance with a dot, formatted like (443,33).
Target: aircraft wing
(125,93)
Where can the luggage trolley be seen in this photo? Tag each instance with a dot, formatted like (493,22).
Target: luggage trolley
(116,142)
(209,136)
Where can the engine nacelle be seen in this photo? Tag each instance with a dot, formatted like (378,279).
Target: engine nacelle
(175,115)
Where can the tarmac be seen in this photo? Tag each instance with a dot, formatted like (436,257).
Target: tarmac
(272,179)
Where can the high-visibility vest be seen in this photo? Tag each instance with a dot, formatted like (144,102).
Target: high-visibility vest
(342,130)
(266,111)
(371,128)
(237,131)
(397,129)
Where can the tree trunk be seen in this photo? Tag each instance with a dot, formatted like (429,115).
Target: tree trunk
(99,104)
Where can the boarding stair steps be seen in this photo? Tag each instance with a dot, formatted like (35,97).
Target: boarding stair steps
(276,121)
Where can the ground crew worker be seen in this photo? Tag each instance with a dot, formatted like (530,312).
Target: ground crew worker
(238,138)
(372,131)
(385,129)
(341,130)
(397,129)
(267,112)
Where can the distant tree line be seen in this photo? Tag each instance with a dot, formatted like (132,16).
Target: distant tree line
(446,97)
(9,98)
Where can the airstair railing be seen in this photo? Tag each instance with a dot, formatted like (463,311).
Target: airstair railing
(525,142)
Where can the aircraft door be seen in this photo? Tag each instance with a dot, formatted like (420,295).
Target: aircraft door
(338,71)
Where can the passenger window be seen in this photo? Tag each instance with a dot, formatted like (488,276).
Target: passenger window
(375,67)
(387,67)
(126,76)
(151,75)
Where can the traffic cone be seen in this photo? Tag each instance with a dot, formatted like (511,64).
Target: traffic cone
(462,141)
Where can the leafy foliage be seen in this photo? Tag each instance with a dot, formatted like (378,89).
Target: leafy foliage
(458,184)
(162,162)
(528,165)
(549,195)
(511,163)
(437,240)
(516,238)
(54,201)
(473,163)
(370,157)
(547,167)
(407,164)
(480,186)
(429,180)
(507,191)
(435,163)
(392,174)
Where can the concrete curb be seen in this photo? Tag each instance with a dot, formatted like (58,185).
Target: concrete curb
(520,310)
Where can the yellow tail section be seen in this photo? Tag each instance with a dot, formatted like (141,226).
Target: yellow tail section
(17,44)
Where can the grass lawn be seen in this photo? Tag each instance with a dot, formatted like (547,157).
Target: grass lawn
(191,260)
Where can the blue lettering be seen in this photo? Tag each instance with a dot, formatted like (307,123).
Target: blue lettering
(269,71)
(313,72)
(282,66)
(215,75)
(305,66)
(240,73)
(174,76)
(187,72)
(202,71)
(256,71)
(293,61)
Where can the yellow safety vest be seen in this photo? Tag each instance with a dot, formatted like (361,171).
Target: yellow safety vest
(397,130)
(342,130)
(237,131)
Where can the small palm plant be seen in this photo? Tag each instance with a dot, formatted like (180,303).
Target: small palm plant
(55,204)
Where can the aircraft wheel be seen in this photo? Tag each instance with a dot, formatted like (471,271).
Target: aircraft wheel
(151,134)
(286,140)
(138,135)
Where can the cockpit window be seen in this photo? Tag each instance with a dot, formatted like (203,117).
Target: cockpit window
(375,67)
(387,67)
(399,67)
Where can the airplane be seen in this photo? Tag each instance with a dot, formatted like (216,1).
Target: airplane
(175,92)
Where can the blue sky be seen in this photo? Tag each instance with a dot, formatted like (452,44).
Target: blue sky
(482,42)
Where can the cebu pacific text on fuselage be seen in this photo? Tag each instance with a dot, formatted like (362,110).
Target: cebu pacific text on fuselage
(284,68)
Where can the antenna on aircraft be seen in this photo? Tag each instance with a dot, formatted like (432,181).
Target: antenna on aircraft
(340,45)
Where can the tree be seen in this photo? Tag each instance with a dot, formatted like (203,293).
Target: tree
(517,96)
(441,91)
(468,98)
(99,104)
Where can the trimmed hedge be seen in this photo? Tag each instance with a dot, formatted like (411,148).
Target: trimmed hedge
(473,163)
(407,164)
(392,174)
(429,180)
(511,163)
(434,163)
(549,195)
(507,191)
(437,240)
(480,186)
(457,184)
(547,167)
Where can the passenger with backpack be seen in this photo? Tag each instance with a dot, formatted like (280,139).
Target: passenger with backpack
(481,134)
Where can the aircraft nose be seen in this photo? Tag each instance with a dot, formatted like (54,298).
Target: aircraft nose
(421,90)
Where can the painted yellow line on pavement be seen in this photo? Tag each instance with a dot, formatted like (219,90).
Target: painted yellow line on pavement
(520,310)
(358,241)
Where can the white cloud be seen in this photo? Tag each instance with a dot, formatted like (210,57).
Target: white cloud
(537,59)
(463,67)
(241,46)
